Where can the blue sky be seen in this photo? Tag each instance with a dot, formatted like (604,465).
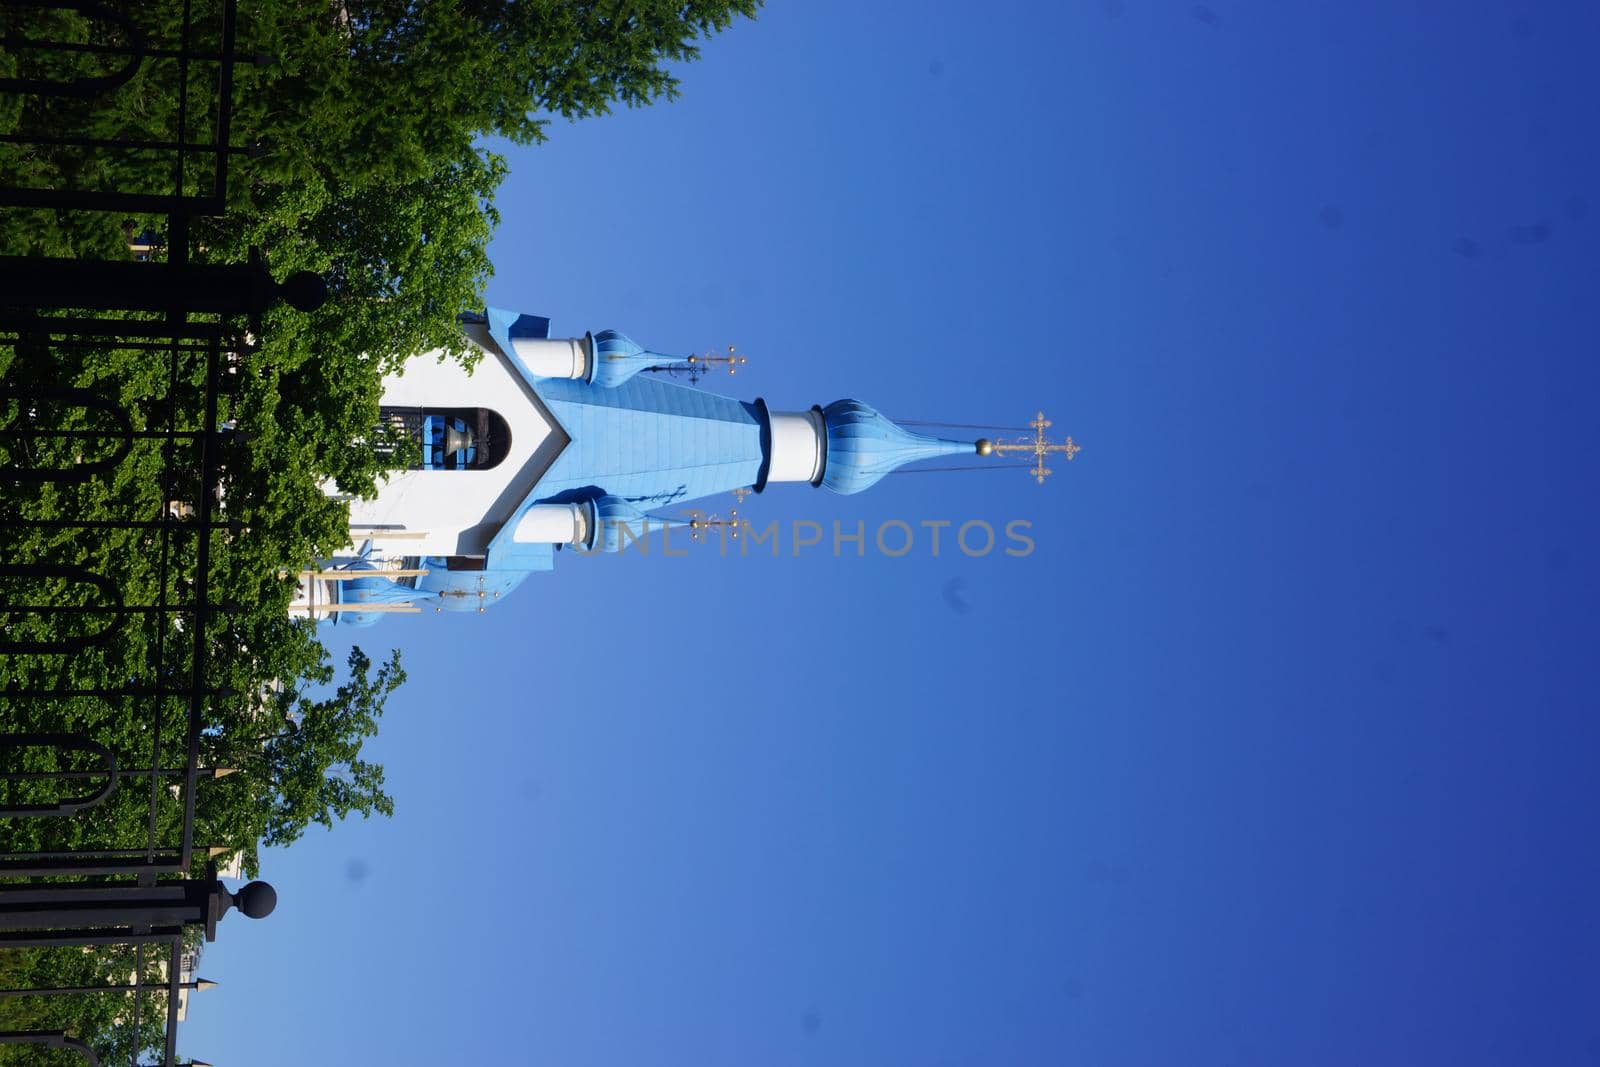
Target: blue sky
(1279,747)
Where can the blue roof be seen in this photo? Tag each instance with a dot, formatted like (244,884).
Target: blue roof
(505,326)
(647,442)
(863,446)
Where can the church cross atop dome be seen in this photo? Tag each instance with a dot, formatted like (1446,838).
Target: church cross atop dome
(697,367)
(1039,447)
(733,360)
(701,524)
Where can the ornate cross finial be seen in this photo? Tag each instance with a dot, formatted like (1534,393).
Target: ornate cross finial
(1039,447)
(696,367)
(699,365)
(701,524)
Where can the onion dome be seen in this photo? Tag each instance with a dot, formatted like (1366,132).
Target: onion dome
(618,357)
(373,588)
(443,589)
(608,517)
(863,446)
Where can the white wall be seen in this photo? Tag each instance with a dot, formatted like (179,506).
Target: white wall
(458,512)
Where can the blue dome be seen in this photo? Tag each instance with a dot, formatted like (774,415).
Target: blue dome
(863,446)
(618,357)
(606,521)
(611,513)
(448,590)
(374,589)
(357,591)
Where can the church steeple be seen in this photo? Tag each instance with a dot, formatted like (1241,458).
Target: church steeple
(847,447)
(553,444)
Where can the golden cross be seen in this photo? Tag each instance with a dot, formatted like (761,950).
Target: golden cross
(1039,447)
(733,361)
(701,524)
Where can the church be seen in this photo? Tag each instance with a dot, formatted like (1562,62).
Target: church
(550,444)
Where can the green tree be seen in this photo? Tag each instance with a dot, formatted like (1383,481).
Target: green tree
(303,763)
(370,114)
(372,173)
(109,1015)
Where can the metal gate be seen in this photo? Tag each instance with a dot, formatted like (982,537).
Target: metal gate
(115,378)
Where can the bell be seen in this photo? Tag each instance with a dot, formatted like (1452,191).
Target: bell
(456,440)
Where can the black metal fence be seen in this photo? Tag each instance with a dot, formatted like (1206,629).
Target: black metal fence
(115,375)
(87,51)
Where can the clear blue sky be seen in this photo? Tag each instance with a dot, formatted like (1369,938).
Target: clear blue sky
(1280,747)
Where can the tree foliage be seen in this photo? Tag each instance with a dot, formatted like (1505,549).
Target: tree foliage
(369,116)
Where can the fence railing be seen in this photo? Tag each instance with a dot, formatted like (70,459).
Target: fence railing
(86,52)
(98,846)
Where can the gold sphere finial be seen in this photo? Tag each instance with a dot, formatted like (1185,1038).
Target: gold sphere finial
(985,447)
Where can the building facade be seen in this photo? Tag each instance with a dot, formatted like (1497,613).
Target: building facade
(581,443)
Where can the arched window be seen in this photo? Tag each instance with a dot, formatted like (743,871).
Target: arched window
(452,439)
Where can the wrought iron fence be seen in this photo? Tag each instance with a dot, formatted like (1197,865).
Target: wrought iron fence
(98,849)
(63,50)
(81,645)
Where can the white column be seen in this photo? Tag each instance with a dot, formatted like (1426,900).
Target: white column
(553,524)
(799,446)
(564,358)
